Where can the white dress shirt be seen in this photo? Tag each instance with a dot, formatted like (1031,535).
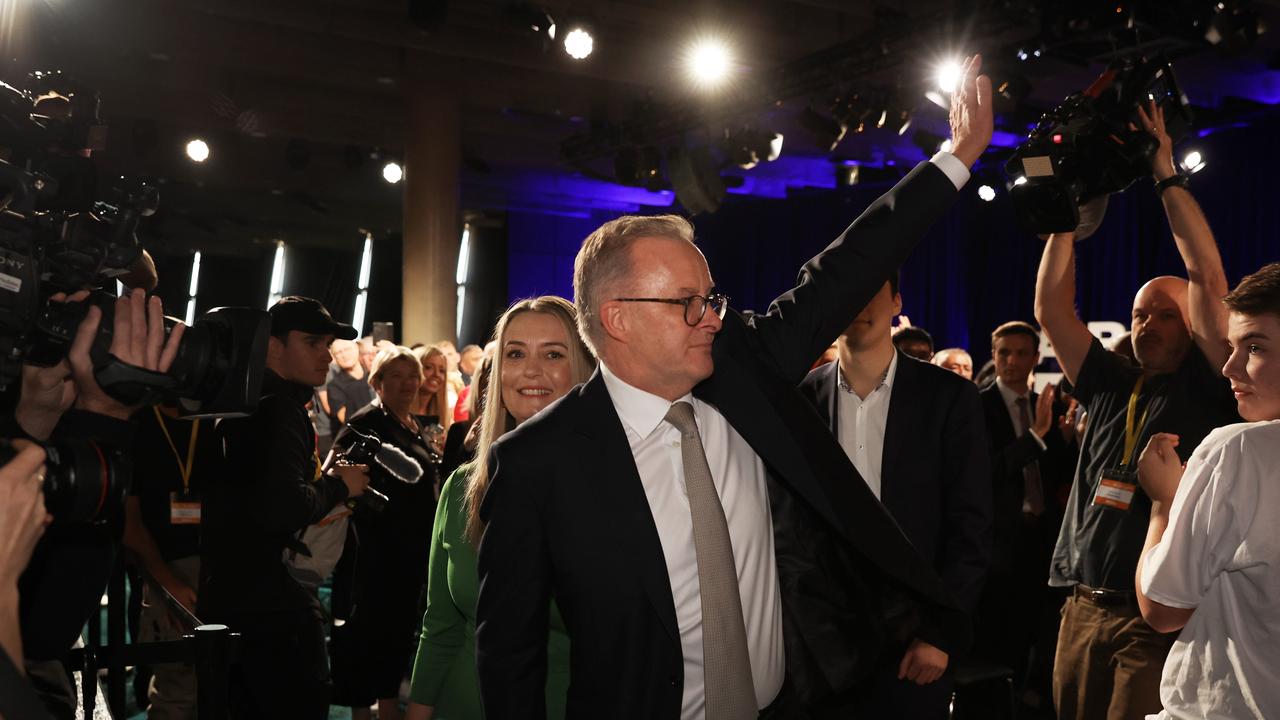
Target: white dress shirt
(739,477)
(861,424)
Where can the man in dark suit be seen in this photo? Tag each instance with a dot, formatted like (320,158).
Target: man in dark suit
(697,530)
(1030,460)
(914,433)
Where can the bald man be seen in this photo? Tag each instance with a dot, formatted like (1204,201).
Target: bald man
(1109,660)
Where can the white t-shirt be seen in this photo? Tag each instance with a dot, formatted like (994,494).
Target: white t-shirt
(1221,556)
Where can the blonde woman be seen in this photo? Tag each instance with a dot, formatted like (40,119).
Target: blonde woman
(539,358)
(433,394)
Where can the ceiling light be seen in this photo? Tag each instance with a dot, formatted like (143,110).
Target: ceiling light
(709,62)
(987,193)
(948,76)
(198,150)
(1193,162)
(579,43)
(392,172)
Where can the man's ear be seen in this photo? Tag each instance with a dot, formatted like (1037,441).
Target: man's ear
(615,320)
(275,348)
(897,304)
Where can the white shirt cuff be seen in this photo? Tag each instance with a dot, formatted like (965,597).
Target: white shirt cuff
(952,167)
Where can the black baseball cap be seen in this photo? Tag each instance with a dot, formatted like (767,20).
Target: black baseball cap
(307,315)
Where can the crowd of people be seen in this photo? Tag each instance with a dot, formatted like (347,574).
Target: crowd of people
(640,504)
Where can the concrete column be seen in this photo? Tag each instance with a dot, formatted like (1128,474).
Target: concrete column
(432,215)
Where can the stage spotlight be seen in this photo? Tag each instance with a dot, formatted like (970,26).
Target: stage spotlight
(578,43)
(709,62)
(948,75)
(987,193)
(1193,162)
(697,183)
(392,172)
(847,174)
(639,166)
(198,150)
(827,132)
(1020,180)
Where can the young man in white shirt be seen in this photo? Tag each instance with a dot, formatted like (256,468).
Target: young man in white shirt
(1211,564)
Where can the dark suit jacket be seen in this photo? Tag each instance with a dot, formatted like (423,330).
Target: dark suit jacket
(1009,455)
(935,477)
(568,517)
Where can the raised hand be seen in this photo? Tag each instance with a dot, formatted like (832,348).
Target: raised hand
(1152,118)
(972,120)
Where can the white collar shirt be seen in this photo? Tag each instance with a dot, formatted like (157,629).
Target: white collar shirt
(739,477)
(862,423)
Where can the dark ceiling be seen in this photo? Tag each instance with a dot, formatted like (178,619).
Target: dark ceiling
(302,101)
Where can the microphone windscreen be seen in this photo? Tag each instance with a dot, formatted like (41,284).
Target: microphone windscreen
(401,466)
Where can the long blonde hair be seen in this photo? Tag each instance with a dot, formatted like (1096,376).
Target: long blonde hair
(441,398)
(496,421)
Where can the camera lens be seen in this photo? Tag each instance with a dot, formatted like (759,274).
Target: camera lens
(83,483)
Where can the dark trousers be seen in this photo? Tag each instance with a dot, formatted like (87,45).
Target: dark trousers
(889,697)
(1109,661)
(283,668)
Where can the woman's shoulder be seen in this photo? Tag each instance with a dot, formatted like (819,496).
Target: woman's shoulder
(456,483)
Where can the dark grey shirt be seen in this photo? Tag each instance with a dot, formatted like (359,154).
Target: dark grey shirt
(1099,545)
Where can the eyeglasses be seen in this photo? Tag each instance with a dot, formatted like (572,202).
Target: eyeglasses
(695,306)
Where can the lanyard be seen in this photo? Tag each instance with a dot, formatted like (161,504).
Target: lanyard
(184,468)
(1131,430)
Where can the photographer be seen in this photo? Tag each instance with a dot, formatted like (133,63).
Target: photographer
(1108,659)
(270,491)
(71,565)
(373,649)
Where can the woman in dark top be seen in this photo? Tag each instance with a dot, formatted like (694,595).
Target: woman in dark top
(373,648)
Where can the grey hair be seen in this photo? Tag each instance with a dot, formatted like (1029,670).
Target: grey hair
(605,258)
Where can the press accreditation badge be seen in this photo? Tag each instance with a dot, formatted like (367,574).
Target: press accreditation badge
(1116,488)
(184,508)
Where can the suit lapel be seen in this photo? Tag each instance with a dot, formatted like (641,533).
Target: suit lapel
(739,397)
(607,457)
(906,405)
(1000,425)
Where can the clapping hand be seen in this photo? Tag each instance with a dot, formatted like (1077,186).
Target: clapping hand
(1160,469)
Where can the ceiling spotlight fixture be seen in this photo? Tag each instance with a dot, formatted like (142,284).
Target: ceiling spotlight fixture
(198,150)
(709,62)
(392,172)
(750,147)
(579,43)
(987,193)
(827,132)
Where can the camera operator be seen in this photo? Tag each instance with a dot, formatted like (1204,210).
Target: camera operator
(272,489)
(1108,659)
(71,565)
(173,461)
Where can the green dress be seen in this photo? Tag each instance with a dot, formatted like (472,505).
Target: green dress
(444,673)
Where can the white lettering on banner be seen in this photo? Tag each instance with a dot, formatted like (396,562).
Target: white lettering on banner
(1104,330)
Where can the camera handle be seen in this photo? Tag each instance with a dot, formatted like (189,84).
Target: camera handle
(131,384)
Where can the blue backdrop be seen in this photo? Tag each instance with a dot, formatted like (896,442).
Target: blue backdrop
(975,269)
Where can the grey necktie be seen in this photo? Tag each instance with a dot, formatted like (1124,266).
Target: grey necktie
(726,666)
(1032,492)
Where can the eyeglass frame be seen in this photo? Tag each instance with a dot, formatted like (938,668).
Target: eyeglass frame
(686,301)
